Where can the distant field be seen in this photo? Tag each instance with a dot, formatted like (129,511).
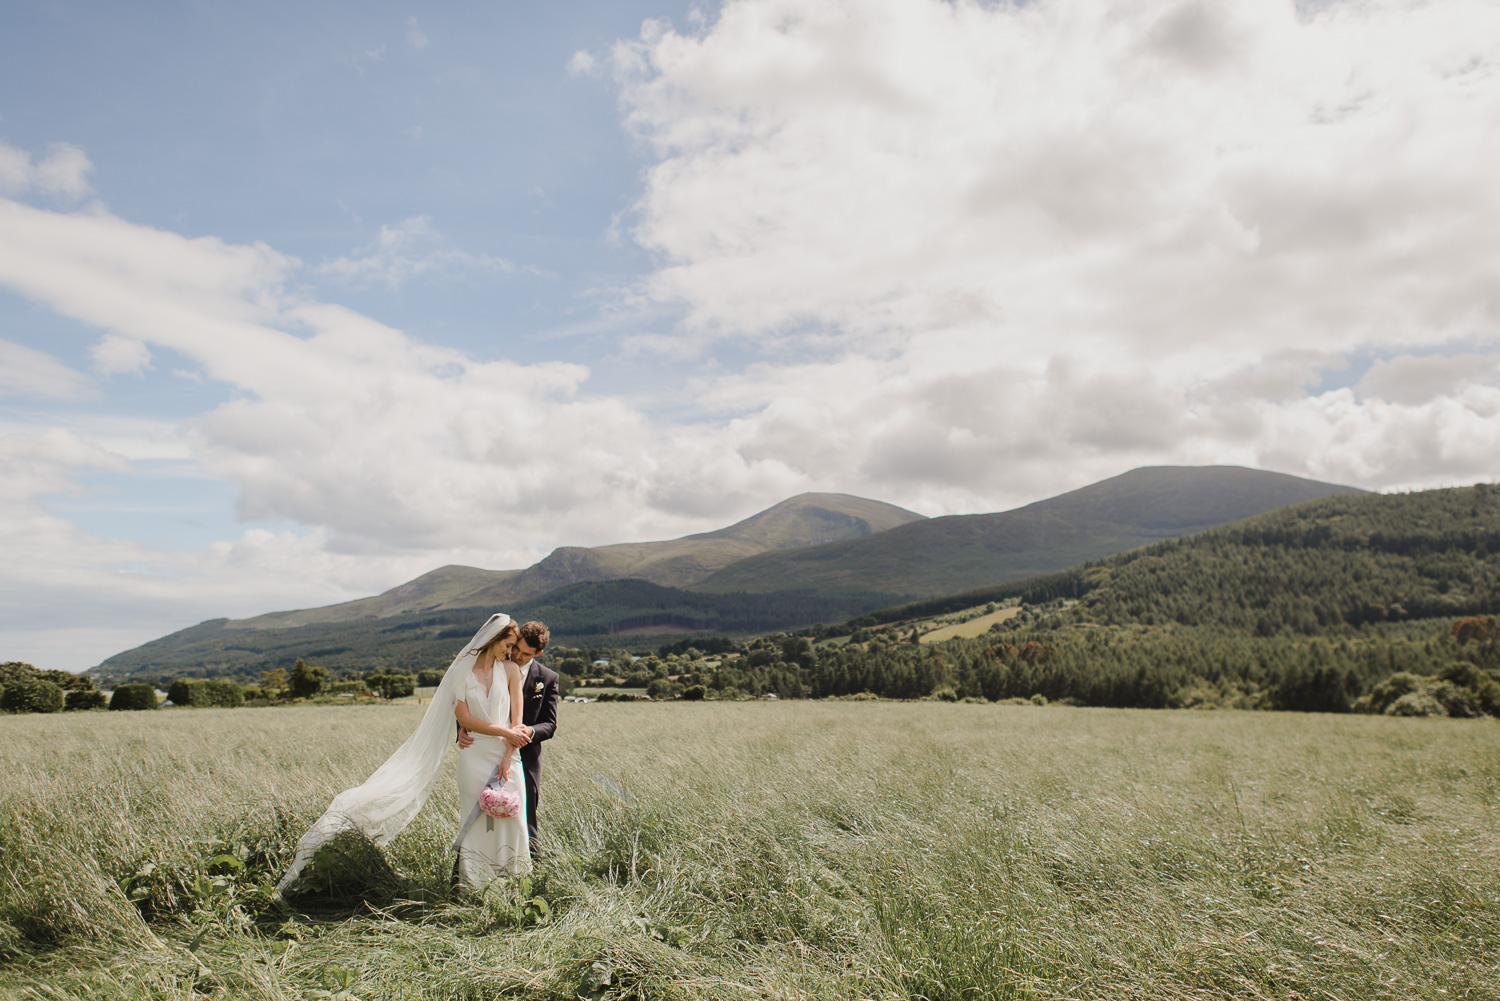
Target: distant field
(974,627)
(787,850)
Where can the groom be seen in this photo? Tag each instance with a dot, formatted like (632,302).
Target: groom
(538,714)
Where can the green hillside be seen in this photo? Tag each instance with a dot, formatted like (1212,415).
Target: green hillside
(1329,605)
(943,555)
(578,614)
(804,520)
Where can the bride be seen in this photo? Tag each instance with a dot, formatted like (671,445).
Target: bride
(490,709)
(391,797)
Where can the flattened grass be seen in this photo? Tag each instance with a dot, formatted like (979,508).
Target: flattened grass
(783,850)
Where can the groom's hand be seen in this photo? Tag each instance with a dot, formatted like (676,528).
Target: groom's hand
(465,738)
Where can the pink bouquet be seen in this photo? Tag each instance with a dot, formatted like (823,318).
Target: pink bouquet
(498,802)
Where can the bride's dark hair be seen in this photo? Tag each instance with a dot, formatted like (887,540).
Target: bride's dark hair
(508,631)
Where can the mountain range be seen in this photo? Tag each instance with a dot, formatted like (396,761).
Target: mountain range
(814,557)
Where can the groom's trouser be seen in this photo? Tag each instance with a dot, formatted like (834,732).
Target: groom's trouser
(531,765)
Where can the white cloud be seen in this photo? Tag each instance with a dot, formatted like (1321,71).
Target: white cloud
(116,355)
(31,373)
(415,36)
(581,63)
(411,249)
(62,173)
(386,446)
(1416,380)
(988,252)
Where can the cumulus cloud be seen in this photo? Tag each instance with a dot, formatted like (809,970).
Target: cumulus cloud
(581,63)
(62,173)
(411,249)
(116,355)
(415,36)
(384,444)
(384,456)
(1001,250)
(1413,380)
(28,372)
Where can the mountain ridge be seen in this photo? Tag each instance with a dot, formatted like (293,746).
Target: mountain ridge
(962,552)
(803,519)
(416,621)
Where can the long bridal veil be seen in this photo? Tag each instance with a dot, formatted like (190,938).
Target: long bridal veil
(389,799)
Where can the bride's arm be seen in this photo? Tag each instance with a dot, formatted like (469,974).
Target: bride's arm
(513,679)
(513,682)
(473,724)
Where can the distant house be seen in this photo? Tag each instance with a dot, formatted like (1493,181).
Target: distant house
(602,662)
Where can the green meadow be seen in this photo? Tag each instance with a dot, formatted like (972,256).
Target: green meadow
(830,849)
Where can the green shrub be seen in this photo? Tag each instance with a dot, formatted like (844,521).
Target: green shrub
(429,679)
(134,696)
(199,693)
(391,686)
(694,693)
(2,694)
(225,694)
(1039,699)
(1461,689)
(662,688)
(33,697)
(1416,704)
(1459,702)
(1475,679)
(90,698)
(1385,694)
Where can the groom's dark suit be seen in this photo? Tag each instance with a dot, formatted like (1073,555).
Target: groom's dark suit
(538,711)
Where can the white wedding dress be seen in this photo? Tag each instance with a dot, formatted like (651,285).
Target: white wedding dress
(387,801)
(493,846)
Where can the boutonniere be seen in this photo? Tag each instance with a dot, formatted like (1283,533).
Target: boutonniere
(537,691)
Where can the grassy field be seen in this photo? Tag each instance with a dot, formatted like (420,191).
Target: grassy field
(776,850)
(977,626)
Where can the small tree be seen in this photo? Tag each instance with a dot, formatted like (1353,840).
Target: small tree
(80,698)
(662,688)
(429,679)
(307,680)
(273,682)
(694,693)
(135,696)
(1475,627)
(392,686)
(33,697)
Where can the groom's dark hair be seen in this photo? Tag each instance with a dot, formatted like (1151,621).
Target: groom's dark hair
(536,635)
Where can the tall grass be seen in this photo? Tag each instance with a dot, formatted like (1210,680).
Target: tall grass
(788,850)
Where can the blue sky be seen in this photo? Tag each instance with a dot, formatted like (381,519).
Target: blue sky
(296,304)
